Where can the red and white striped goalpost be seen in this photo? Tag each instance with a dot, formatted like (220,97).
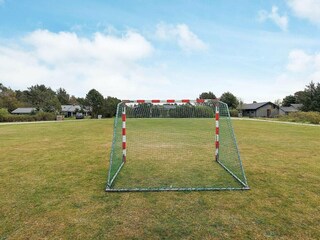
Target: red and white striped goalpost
(217,132)
(124,137)
(124,140)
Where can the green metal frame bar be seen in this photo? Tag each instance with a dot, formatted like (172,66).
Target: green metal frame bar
(245,183)
(168,189)
(109,185)
(109,181)
(232,174)
(171,189)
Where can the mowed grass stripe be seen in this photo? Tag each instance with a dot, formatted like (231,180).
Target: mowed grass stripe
(52,179)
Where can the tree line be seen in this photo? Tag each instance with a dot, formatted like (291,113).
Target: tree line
(47,100)
(231,100)
(309,98)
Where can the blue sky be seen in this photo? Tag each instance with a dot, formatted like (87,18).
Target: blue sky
(258,50)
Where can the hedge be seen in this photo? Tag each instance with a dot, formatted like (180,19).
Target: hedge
(303,117)
(40,116)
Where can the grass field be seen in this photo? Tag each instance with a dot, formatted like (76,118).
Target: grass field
(53,175)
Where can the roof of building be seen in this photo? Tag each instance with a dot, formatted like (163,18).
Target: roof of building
(297,105)
(23,110)
(254,106)
(288,109)
(70,108)
(292,108)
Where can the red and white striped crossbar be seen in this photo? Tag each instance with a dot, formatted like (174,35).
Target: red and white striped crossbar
(124,137)
(169,101)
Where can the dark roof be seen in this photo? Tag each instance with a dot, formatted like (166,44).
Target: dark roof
(297,105)
(254,106)
(293,108)
(288,109)
(23,110)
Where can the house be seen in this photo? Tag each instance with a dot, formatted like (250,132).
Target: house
(28,110)
(71,110)
(290,109)
(262,109)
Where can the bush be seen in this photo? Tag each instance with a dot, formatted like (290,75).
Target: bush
(40,116)
(3,113)
(17,118)
(45,116)
(304,117)
(234,113)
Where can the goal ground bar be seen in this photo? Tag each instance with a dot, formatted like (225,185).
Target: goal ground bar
(175,189)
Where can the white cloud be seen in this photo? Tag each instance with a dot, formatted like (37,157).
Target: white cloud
(181,34)
(308,9)
(274,16)
(300,70)
(108,63)
(299,60)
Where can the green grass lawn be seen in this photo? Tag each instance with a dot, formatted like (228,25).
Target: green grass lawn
(53,175)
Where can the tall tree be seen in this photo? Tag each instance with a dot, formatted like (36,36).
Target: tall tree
(311,99)
(230,99)
(8,98)
(94,99)
(63,96)
(207,95)
(73,100)
(288,100)
(299,96)
(110,106)
(43,98)
(22,97)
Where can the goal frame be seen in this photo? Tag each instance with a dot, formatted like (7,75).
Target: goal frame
(217,102)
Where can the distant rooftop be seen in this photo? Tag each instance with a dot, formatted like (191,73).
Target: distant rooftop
(23,110)
(253,106)
(297,105)
(289,109)
(70,108)
(73,108)
(292,108)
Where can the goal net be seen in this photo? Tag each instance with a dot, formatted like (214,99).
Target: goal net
(174,145)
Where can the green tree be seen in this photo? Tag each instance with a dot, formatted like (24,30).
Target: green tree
(300,95)
(230,100)
(73,100)
(95,100)
(22,97)
(8,98)
(109,107)
(63,96)
(311,98)
(288,100)
(43,98)
(207,95)
(81,101)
